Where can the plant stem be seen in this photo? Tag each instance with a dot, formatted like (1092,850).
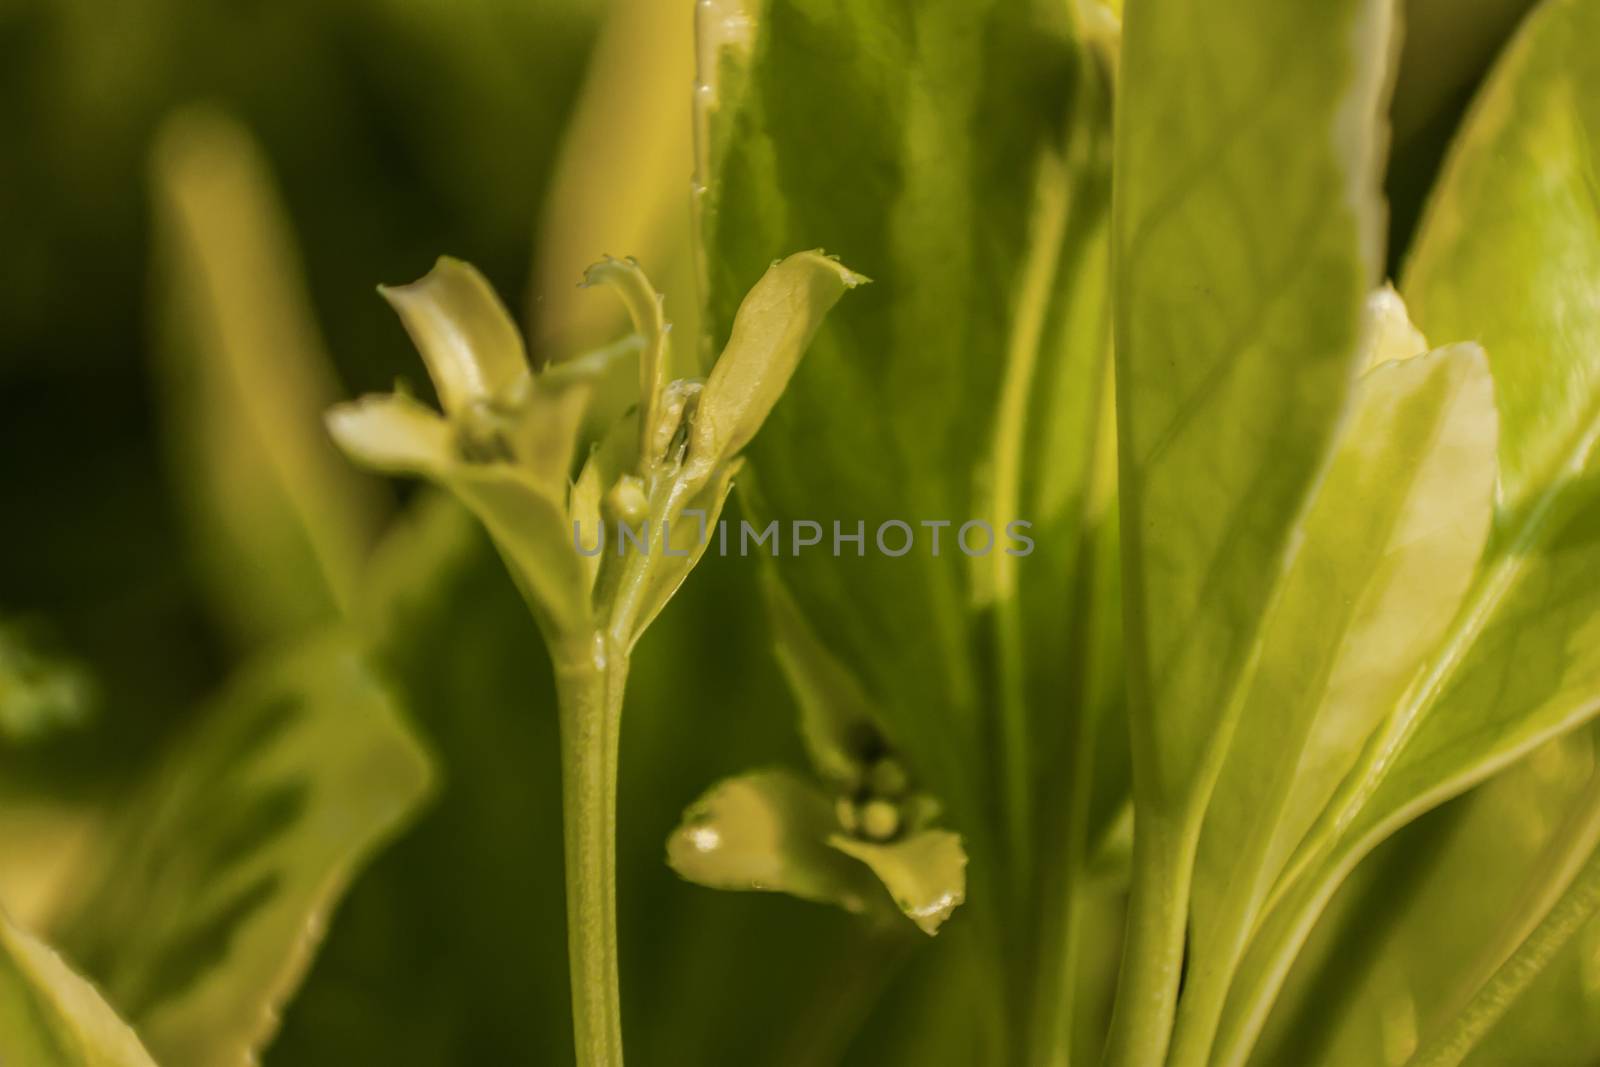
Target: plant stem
(1575,908)
(590,692)
(1152,956)
(1066,867)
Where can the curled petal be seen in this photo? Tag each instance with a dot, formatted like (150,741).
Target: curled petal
(466,337)
(925,873)
(649,318)
(390,432)
(766,831)
(527,519)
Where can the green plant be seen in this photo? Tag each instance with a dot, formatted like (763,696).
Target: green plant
(1277,747)
(505,447)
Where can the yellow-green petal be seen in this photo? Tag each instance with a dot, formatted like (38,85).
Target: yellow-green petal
(768,831)
(464,333)
(773,327)
(649,319)
(925,873)
(393,433)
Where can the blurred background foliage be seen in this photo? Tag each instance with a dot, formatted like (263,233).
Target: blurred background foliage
(528,137)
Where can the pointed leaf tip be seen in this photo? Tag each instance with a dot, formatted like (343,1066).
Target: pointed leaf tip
(771,331)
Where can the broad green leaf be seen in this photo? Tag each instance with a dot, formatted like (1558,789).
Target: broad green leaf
(1508,256)
(1531,672)
(281,522)
(203,912)
(957,152)
(896,412)
(1247,231)
(1510,246)
(50,1017)
(769,830)
(1248,234)
(1389,545)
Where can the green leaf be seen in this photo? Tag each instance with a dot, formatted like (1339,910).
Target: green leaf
(202,913)
(1509,247)
(769,830)
(454,640)
(1247,233)
(280,521)
(1390,544)
(945,177)
(50,1017)
(836,719)
(1405,938)
(964,166)
(1507,255)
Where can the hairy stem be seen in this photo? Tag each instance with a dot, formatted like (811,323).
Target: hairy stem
(590,692)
